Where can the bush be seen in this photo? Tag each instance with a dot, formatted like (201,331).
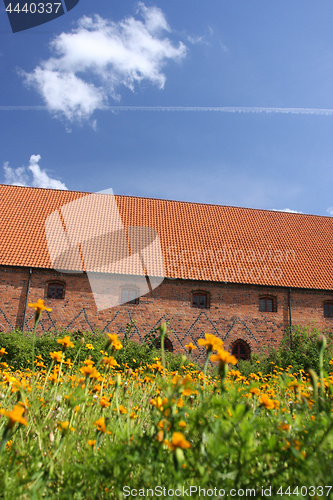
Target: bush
(302,355)
(18,344)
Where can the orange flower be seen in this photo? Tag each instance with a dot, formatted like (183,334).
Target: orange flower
(89,346)
(190,347)
(100,424)
(2,351)
(92,443)
(178,441)
(113,337)
(255,391)
(65,342)
(110,361)
(68,363)
(15,416)
(104,402)
(87,370)
(224,357)
(39,306)
(122,409)
(117,345)
(266,402)
(64,426)
(211,342)
(57,356)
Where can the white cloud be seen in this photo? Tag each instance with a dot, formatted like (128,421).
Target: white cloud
(330,210)
(195,39)
(113,54)
(19,177)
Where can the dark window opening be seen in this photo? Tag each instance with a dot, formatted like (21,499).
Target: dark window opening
(55,291)
(328,310)
(200,300)
(129,297)
(167,344)
(266,305)
(241,350)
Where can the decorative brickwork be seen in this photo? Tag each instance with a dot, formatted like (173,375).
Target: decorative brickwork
(233,313)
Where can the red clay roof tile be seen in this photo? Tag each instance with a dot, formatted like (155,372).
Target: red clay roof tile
(199,241)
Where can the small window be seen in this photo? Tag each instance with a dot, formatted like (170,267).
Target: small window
(200,300)
(328,310)
(241,350)
(129,296)
(267,304)
(55,291)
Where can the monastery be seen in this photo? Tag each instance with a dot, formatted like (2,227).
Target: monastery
(101,260)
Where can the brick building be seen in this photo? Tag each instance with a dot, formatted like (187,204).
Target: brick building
(242,274)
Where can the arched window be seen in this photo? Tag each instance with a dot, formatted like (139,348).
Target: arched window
(167,344)
(328,309)
(129,296)
(200,299)
(267,304)
(241,350)
(55,290)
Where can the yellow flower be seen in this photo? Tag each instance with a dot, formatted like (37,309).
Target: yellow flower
(64,426)
(211,342)
(113,337)
(89,346)
(54,378)
(104,402)
(180,403)
(182,424)
(2,351)
(159,403)
(87,370)
(266,402)
(100,424)
(92,443)
(133,415)
(39,306)
(255,391)
(9,444)
(223,357)
(24,404)
(57,356)
(68,363)
(178,441)
(117,345)
(15,416)
(122,409)
(65,342)
(190,347)
(110,361)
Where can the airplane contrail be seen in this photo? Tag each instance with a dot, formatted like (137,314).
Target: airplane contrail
(220,109)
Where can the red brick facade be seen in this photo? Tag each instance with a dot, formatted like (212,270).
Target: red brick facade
(233,311)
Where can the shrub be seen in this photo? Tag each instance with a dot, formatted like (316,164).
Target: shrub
(18,344)
(302,355)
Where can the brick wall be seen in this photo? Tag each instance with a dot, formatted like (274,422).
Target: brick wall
(233,313)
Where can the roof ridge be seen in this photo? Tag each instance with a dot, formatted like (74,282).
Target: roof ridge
(174,201)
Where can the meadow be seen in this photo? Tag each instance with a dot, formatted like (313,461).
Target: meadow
(101,424)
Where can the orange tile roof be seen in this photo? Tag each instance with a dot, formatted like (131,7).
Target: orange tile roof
(198,241)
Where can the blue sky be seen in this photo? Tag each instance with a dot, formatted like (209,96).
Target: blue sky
(229,102)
